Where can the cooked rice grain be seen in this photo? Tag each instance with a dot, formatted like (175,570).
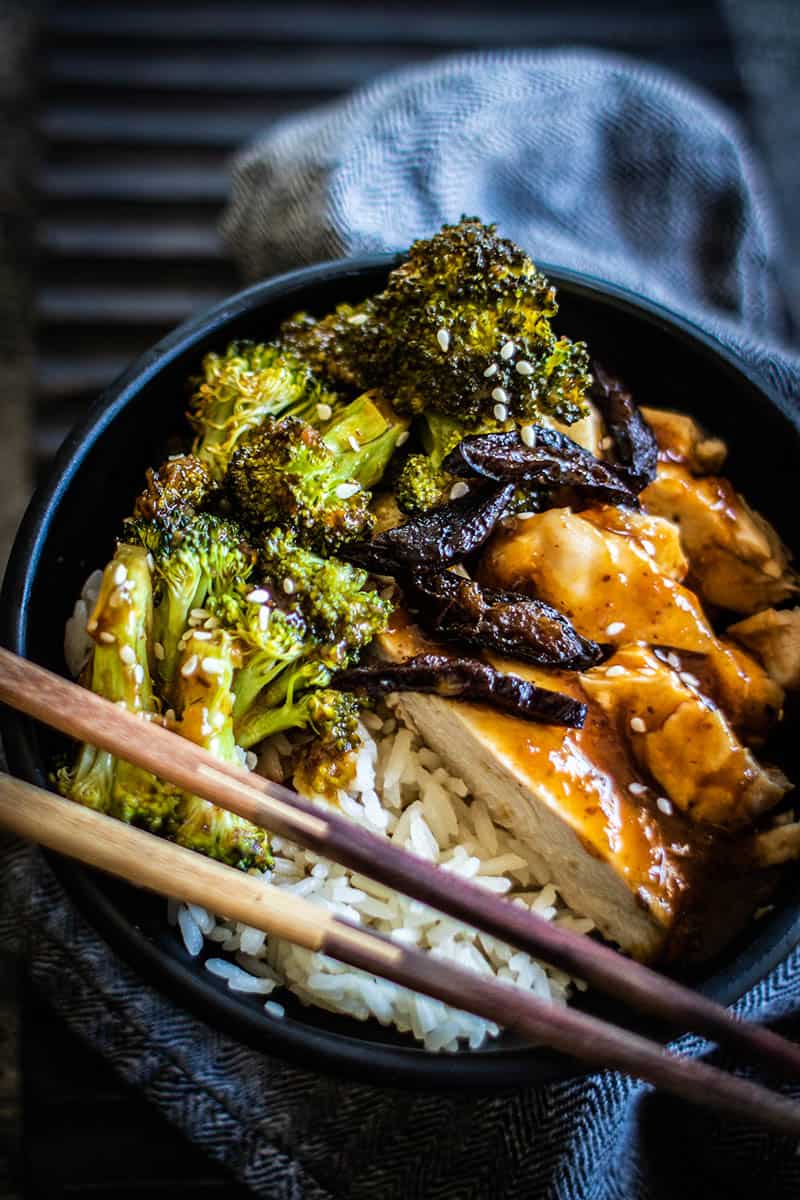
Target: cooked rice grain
(401,791)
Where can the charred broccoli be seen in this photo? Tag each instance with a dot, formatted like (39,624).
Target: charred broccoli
(463,326)
(175,491)
(287,473)
(244,386)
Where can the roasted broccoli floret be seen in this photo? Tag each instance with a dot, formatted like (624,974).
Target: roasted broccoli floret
(323,616)
(194,558)
(287,473)
(328,763)
(175,491)
(463,326)
(239,389)
(204,700)
(120,624)
(422,484)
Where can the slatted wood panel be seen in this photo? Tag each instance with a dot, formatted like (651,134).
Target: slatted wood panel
(140,107)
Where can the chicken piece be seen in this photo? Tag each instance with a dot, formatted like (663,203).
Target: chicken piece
(681,440)
(565,794)
(736,558)
(615,586)
(682,741)
(774,638)
(616,575)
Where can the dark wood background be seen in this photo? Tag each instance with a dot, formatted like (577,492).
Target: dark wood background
(139,107)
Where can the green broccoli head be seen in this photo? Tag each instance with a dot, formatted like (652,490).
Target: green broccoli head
(321,614)
(327,764)
(343,615)
(284,474)
(288,473)
(201,556)
(462,326)
(240,389)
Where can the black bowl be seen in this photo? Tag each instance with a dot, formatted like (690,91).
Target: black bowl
(70,527)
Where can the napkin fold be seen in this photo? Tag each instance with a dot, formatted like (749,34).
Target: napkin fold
(599,164)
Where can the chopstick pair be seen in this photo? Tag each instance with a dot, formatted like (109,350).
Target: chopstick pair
(153,863)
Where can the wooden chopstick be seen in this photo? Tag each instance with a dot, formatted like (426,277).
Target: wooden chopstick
(87,717)
(158,865)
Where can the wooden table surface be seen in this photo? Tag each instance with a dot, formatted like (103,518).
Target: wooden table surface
(139,107)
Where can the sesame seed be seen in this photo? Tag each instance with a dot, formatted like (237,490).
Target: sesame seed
(663,805)
(346,490)
(458,490)
(199,614)
(501,412)
(443,338)
(202,635)
(213,666)
(637,789)
(158,651)
(263,619)
(91,625)
(358,318)
(525,516)
(638,725)
(523,367)
(120,574)
(606,443)
(258,596)
(189,667)
(490,371)
(288,586)
(614,671)
(528,435)
(127,655)
(614,628)
(508,351)
(674,661)
(324,412)
(138,673)
(402,438)
(251,760)
(107,638)
(211,623)
(169,715)
(690,680)
(500,395)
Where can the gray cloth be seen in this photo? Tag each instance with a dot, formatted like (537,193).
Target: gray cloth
(589,162)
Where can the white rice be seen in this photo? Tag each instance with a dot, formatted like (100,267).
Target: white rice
(402,791)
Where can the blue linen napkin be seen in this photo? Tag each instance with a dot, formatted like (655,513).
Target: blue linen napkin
(599,164)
